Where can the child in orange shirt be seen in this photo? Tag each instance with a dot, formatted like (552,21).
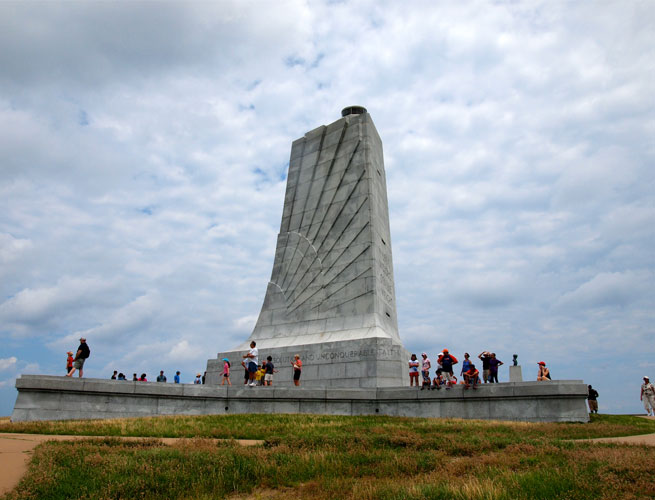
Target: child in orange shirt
(69,362)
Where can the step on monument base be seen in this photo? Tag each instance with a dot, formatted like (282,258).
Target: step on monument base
(42,397)
(362,363)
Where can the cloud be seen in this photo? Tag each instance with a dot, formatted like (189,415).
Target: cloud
(610,289)
(143,158)
(8,363)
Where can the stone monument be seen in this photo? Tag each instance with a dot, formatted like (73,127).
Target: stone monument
(331,296)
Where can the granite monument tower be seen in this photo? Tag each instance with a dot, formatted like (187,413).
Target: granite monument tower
(331,296)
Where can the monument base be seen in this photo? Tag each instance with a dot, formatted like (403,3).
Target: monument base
(43,397)
(360,363)
(515,374)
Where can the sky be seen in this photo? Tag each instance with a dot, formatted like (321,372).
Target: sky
(144,149)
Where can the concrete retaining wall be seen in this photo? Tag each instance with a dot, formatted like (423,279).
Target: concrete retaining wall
(43,397)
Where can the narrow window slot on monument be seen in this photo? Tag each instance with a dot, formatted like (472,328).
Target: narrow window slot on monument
(379,172)
(387,314)
(383,242)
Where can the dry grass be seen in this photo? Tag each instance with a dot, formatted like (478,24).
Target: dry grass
(322,457)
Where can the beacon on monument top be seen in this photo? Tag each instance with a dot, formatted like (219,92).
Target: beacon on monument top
(353,110)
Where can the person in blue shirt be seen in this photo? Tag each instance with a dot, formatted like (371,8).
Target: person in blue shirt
(177,377)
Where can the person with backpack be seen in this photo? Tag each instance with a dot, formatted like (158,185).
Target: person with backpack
(83,353)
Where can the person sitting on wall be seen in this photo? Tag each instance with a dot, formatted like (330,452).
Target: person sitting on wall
(544,373)
(437,381)
(471,377)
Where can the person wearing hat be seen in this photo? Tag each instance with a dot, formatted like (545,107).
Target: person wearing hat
(83,352)
(226,372)
(69,362)
(648,396)
(544,373)
(198,379)
(446,361)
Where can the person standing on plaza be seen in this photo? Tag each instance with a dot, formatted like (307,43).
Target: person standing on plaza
(176,378)
(485,357)
(648,396)
(466,364)
(297,369)
(592,396)
(494,363)
(413,370)
(447,360)
(251,360)
(161,377)
(226,371)
(425,370)
(69,362)
(269,370)
(83,353)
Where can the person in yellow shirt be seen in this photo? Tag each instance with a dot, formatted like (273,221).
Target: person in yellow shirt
(259,375)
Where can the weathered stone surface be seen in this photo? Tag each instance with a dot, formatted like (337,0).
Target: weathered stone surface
(515,374)
(56,398)
(331,296)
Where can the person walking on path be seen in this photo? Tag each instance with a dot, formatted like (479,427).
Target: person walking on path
(413,370)
(591,400)
(544,373)
(494,363)
(251,360)
(648,396)
(69,362)
(226,372)
(161,377)
(297,369)
(485,357)
(83,353)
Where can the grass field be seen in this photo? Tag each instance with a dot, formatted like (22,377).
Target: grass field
(329,457)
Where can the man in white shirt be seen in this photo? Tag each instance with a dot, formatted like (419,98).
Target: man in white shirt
(251,362)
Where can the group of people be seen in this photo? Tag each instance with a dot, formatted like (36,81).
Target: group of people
(256,373)
(261,374)
(444,375)
(160,378)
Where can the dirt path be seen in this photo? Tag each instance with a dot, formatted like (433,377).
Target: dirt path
(16,451)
